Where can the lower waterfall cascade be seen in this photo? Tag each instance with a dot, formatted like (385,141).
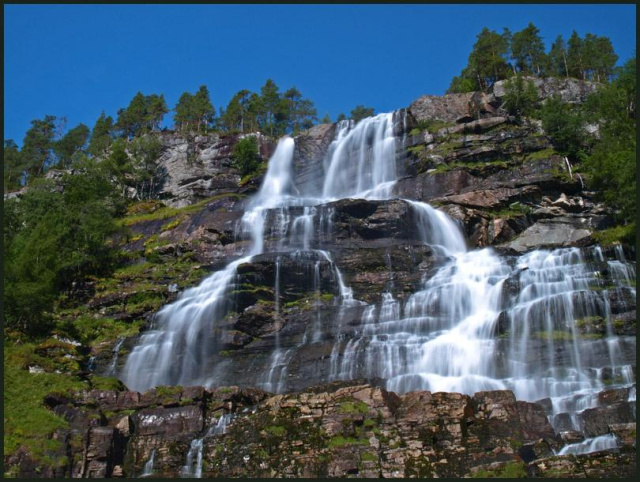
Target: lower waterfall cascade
(478,320)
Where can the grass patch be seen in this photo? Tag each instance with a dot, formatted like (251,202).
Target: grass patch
(276,430)
(369,457)
(340,441)
(540,155)
(91,331)
(27,421)
(558,335)
(138,215)
(616,235)
(353,407)
(510,470)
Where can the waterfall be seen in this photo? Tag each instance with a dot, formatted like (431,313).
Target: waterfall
(477,321)
(114,360)
(603,442)
(193,466)
(148,466)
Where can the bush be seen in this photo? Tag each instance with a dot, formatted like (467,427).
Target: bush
(245,155)
(521,98)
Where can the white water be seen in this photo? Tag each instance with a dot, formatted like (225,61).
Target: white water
(114,360)
(148,466)
(603,442)
(479,321)
(193,466)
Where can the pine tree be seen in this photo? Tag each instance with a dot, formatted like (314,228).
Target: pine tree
(37,146)
(271,104)
(72,143)
(575,57)
(558,58)
(527,49)
(101,135)
(360,112)
(13,166)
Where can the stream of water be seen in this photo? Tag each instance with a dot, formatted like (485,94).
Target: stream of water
(480,321)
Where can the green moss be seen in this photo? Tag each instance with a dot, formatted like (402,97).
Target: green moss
(340,441)
(27,421)
(106,383)
(616,235)
(169,391)
(91,331)
(353,407)
(558,335)
(510,470)
(276,430)
(172,224)
(165,212)
(540,155)
(369,457)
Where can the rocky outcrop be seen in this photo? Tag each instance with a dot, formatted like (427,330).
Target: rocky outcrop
(573,91)
(199,167)
(344,429)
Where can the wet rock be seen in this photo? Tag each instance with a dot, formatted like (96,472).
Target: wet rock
(554,233)
(596,421)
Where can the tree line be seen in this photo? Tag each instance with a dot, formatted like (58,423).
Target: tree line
(270,111)
(498,56)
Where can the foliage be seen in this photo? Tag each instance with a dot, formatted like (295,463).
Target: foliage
(31,423)
(497,56)
(194,111)
(143,114)
(101,135)
(71,144)
(360,112)
(37,146)
(521,98)
(245,155)
(612,163)
(52,239)
(565,126)
(527,50)
(13,166)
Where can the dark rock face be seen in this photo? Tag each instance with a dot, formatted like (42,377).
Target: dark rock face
(337,430)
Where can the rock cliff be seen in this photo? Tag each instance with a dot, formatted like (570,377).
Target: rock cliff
(501,181)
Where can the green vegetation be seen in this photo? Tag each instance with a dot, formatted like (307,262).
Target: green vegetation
(360,112)
(30,423)
(245,156)
(521,98)
(618,234)
(353,407)
(340,441)
(498,56)
(509,470)
(276,430)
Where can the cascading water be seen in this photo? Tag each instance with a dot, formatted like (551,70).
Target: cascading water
(479,320)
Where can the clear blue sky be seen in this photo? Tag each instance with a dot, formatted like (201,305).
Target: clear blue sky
(77,60)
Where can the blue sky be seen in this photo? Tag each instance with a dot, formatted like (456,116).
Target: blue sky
(77,60)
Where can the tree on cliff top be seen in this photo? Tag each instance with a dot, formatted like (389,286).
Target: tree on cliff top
(360,112)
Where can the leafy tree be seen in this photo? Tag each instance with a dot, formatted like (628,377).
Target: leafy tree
(194,111)
(565,127)
(245,155)
(527,50)
(13,166)
(37,146)
(52,239)
(300,112)
(325,119)
(575,62)
(184,111)
(612,163)
(521,98)
(144,174)
(237,112)
(71,144)
(599,58)
(156,108)
(461,85)
(341,117)
(203,110)
(132,119)
(487,61)
(270,97)
(360,112)
(558,65)
(101,135)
